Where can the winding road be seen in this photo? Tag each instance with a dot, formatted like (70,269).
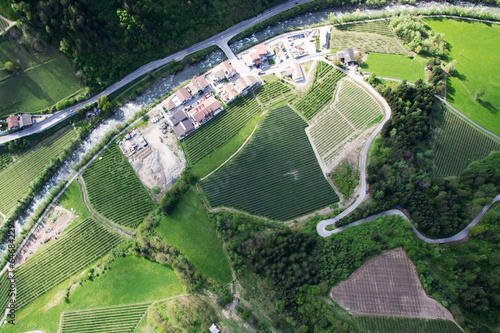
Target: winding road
(221,39)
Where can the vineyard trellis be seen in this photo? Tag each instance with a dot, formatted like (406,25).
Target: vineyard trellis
(407,325)
(269,91)
(114,189)
(321,92)
(221,128)
(16,178)
(353,110)
(458,144)
(72,252)
(276,175)
(124,318)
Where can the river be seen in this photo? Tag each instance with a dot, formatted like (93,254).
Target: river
(162,85)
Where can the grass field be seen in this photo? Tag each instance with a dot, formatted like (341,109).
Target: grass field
(365,42)
(130,280)
(396,66)
(72,200)
(476,47)
(114,189)
(321,91)
(377,27)
(276,175)
(44,79)
(407,325)
(221,128)
(458,144)
(188,228)
(72,252)
(17,177)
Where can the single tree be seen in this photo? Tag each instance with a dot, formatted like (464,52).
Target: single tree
(479,93)
(9,67)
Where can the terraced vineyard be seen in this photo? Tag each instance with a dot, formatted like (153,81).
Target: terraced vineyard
(407,325)
(458,144)
(321,92)
(272,89)
(114,189)
(365,42)
(16,178)
(354,110)
(377,27)
(111,319)
(276,175)
(71,253)
(221,128)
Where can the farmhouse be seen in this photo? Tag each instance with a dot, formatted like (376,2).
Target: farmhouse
(197,84)
(204,110)
(228,93)
(243,84)
(12,123)
(295,71)
(223,71)
(347,57)
(25,120)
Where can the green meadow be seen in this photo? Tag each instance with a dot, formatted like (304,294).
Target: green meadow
(396,66)
(476,47)
(129,280)
(188,228)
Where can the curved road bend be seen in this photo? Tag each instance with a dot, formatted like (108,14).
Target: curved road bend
(218,39)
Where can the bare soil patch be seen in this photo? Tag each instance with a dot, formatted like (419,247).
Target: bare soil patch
(48,230)
(161,162)
(388,285)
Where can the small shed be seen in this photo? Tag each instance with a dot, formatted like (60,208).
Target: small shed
(214,329)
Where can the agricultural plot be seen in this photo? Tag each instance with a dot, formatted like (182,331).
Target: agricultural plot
(322,69)
(16,178)
(269,91)
(221,128)
(111,319)
(352,112)
(321,92)
(4,161)
(4,290)
(276,175)
(114,189)
(72,252)
(458,144)
(379,27)
(407,325)
(365,42)
(388,285)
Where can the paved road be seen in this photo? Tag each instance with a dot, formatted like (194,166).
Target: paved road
(218,39)
(457,237)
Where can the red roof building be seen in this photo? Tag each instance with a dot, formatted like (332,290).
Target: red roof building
(12,122)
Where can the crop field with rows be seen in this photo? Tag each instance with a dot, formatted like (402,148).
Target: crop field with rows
(353,110)
(114,189)
(16,178)
(111,319)
(4,161)
(365,42)
(273,88)
(4,290)
(72,252)
(276,175)
(377,27)
(320,94)
(407,325)
(221,128)
(458,144)
(322,69)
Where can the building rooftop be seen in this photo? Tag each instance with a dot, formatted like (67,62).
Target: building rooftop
(244,82)
(25,120)
(261,49)
(204,109)
(182,94)
(228,92)
(12,122)
(183,128)
(177,117)
(168,103)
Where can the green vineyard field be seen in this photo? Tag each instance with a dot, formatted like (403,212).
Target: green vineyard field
(4,290)
(354,110)
(221,128)
(407,325)
(377,27)
(271,90)
(276,175)
(72,252)
(16,178)
(114,189)
(321,92)
(458,144)
(104,320)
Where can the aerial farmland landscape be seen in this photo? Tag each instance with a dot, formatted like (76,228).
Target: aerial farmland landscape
(249,166)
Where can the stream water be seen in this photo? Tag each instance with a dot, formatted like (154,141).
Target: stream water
(161,86)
